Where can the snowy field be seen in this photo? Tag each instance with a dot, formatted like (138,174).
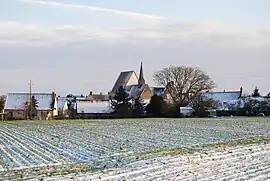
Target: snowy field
(133,149)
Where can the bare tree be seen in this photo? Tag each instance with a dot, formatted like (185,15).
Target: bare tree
(183,83)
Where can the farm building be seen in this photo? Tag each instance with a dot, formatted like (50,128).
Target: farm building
(226,103)
(89,108)
(15,105)
(226,100)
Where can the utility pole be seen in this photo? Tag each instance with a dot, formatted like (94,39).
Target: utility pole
(30,99)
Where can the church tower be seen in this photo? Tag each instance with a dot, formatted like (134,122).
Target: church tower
(141,80)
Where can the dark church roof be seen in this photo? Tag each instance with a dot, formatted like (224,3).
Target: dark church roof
(141,80)
(122,80)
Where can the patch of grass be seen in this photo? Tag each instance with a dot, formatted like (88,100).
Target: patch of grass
(47,171)
(198,148)
(240,142)
(2,162)
(160,152)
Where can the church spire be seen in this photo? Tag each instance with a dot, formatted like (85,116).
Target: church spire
(141,80)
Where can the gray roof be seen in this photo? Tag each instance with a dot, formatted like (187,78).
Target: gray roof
(225,100)
(122,80)
(159,91)
(135,91)
(18,100)
(222,96)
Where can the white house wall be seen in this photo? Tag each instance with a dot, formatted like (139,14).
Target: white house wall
(95,107)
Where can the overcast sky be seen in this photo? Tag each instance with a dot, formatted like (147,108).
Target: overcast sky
(75,46)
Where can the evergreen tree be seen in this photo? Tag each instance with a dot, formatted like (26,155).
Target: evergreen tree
(254,107)
(256,92)
(121,103)
(53,100)
(2,103)
(138,107)
(31,107)
(156,106)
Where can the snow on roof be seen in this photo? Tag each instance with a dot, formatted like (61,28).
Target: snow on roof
(158,90)
(135,91)
(93,107)
(222,96)
(225,100)
(260,99)
(122,80)
(18,100)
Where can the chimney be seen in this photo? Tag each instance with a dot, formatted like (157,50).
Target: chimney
(91,93)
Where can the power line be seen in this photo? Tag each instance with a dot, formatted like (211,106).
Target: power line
(243,77)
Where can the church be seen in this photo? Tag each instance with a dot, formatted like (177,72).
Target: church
(135,86)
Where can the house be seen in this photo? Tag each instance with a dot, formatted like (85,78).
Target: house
(134,86)
(164,93)
(97,97)
(15,105)
(226,100)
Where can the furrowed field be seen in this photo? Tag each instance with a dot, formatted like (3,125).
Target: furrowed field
(146,149)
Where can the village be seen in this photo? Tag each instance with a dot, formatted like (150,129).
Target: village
(99,105)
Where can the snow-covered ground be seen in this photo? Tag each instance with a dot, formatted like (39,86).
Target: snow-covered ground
(232,163)
(29,148)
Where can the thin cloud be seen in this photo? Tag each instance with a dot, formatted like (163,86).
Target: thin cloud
(15,33)
(11,71)
(125,14)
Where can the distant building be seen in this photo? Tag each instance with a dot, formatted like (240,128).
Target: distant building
(92,108)
(97,97)
(226,100)
(159,91)
(15,105)
(134,86)
(62,106)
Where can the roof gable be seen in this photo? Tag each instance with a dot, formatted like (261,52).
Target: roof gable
(18,100)
(123,79)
